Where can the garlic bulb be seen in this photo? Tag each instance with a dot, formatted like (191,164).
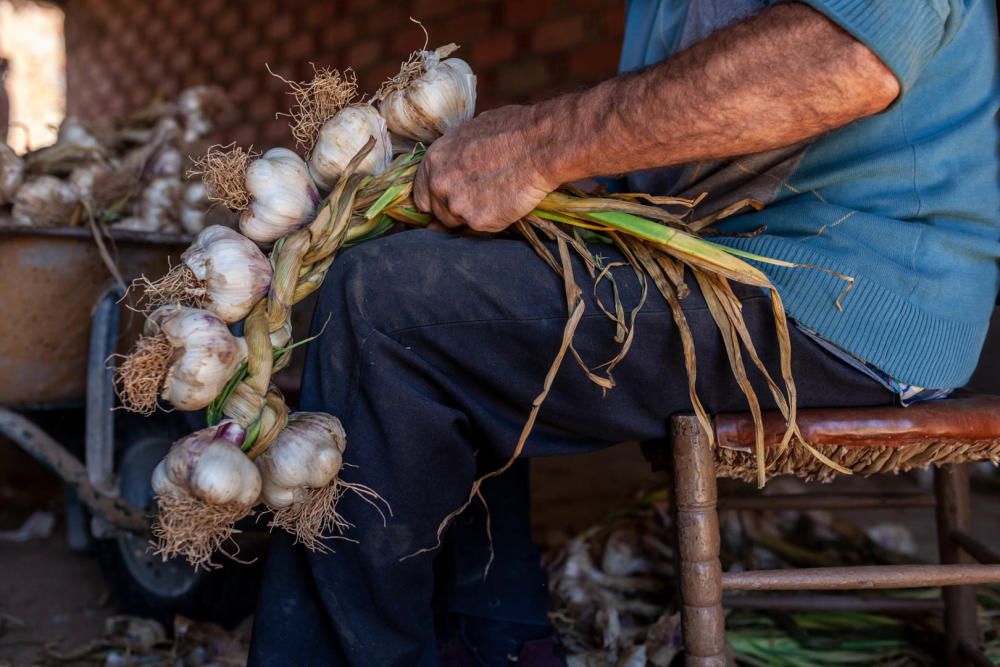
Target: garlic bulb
(11,173)
(307,454)
(194,204)
(135,224)
(209,465)
(45,201)
(340,139)
(205,354)
(85,177)
(283,196)
(232,271)
(74,132)
(198,107)
(425,106)
(159,203)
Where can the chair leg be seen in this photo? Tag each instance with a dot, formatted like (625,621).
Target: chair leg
(951,486)
(702,620)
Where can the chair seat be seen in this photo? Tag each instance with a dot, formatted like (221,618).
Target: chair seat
(868,441)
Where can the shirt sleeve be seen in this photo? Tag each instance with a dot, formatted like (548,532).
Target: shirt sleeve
(904,34)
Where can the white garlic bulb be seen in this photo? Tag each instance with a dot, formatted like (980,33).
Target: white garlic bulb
(136,224)
(205,354)
(209,465)
(45,201)
(159,203)
(440,99)
(74,132)
(232,270)
(341,138)
(194,204)
(11,174)
(307,454)
(284,196)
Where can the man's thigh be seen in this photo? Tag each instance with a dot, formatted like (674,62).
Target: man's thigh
(481,320)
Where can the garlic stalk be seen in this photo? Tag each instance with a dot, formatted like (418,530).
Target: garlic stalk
(431,95)
(222,271)
(307,454)
(342,136)
(283,196)
(11,174)
(203,486)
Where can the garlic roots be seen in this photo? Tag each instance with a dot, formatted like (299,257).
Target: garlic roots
(431,95)
(340,139)
(282,196)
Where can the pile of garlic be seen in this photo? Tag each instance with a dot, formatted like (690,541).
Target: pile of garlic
(126,173)
(188,358)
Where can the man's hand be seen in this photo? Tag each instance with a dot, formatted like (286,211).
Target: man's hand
(784,75)
(484,174)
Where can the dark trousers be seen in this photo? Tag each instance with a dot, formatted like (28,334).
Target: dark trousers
(434,348)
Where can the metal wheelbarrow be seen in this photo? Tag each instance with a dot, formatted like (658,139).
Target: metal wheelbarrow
(63,321)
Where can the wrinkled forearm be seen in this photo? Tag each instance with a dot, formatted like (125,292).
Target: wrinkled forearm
(783,76)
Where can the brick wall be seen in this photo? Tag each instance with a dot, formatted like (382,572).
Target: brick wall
(123,53)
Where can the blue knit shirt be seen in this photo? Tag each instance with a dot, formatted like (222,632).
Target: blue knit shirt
(907,201)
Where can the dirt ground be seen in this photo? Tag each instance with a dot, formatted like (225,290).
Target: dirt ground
(52,599)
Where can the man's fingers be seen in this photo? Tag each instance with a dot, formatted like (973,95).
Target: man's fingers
(443,214)
(421,190)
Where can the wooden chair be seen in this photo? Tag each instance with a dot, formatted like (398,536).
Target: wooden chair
(946,434)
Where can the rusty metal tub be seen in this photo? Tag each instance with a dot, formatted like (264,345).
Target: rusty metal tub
(50,279)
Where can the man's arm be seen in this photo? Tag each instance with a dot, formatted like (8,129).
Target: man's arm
(784,75)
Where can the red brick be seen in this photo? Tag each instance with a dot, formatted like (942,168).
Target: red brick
(280,28)
(613,21)
(522,13)
(519,79)
(228,23)
(425,9)
(320,15)
(559,35)
(370,79)
(595,62)
(405,42)
(462,29)
(363,54)
(300,47)
(274,131)
(388,19)
(338,33)
(361,6)
(226,70)
(207,8)
(263,11)
(493,49)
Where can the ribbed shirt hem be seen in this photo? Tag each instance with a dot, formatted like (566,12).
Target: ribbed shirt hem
(878,326)
(904,35)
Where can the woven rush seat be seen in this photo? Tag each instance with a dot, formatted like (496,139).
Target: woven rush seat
(867,441)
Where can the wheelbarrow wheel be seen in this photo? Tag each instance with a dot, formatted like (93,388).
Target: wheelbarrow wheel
(146,585)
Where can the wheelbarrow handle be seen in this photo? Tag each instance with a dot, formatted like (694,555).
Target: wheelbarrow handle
(50,453)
